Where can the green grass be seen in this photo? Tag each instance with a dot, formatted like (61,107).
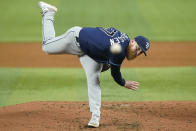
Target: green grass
(160,20)
(19,85)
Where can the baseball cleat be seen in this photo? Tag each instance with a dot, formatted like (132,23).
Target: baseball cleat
(94,122)
(47,7)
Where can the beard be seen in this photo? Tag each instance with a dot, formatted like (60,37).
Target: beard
(131,54)
(131,57)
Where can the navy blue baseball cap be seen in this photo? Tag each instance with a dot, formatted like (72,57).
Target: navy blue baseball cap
(143,43)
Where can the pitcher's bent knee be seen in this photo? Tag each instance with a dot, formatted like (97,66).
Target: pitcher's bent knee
(94,79)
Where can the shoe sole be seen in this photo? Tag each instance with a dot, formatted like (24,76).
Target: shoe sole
(49,7)
(93,126)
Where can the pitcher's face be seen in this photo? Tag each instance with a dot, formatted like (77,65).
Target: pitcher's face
(134,50)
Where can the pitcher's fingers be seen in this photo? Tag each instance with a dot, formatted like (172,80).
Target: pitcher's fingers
(134,86)
(135,82)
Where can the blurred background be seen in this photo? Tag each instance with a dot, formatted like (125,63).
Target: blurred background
(168,73)
(160,20)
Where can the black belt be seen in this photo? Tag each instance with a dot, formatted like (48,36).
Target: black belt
(77,39)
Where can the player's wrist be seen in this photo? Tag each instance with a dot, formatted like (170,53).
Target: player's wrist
(123,82)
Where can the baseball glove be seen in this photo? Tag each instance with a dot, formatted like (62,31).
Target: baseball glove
(105,67)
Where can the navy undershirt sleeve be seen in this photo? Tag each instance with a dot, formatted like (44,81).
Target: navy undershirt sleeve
(116,74)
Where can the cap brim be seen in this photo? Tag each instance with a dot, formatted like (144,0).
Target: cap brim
(142,50)
(145,53)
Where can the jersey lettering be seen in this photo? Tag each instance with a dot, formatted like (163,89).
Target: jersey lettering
(119,39)
(114,41)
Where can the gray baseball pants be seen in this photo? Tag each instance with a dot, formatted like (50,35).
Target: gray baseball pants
(67,44)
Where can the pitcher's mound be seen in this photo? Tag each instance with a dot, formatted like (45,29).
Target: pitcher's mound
(74,116)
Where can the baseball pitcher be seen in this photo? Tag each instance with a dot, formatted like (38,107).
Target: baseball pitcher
(98,49)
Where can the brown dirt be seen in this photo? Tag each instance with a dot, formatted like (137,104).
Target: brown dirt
(65,116)
(160,54)
(137,116)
